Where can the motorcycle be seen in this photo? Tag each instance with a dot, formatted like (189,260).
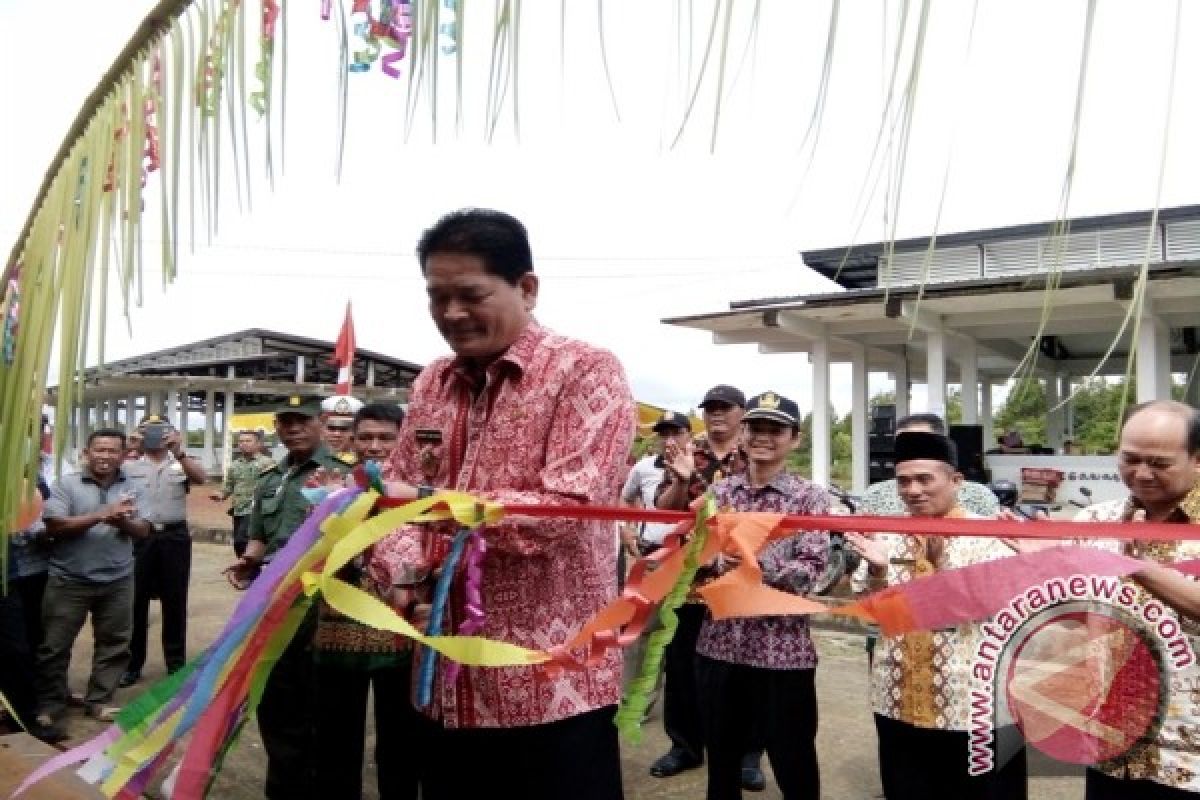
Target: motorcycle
(1008,495)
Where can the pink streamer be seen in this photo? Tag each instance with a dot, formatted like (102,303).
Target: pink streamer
(85,751)
(474,616)
(976,592)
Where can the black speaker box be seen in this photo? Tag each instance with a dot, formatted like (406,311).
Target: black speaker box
(969,441)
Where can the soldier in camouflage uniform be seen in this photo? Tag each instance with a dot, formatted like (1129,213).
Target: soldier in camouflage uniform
(240,480)
(286,712)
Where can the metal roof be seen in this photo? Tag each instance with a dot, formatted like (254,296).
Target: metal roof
(243,346)
(254,363)
(856,266)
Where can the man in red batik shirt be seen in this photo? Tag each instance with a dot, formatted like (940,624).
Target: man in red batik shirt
(519,414)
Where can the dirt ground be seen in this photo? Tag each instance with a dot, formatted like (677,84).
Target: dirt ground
(846,741)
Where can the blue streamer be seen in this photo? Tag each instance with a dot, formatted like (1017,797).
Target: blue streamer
(437,613)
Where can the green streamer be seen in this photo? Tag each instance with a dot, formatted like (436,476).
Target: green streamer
(637,696)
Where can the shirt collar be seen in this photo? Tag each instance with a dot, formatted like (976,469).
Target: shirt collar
(87,477)
(782,483)
(322,453)
(517,357)
(1188,510)
(702,444)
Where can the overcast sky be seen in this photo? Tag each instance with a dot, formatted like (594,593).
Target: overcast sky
(627,230)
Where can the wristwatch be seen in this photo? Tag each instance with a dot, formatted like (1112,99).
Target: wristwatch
(424,491)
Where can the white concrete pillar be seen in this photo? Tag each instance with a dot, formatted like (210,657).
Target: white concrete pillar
(77,434)
(1153,360)
(131,413)
(184,399)
(171,407)
(900,372)
(370,373)
(300,369)
(210,413)
(860,450)
(1068,409)
(935,372)
(154,403)
(227,423)
(968,370)
(821,427)
(1054,418)
(985,414)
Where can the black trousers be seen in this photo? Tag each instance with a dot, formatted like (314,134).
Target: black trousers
(576,758)
(16,659)
(1103,787)
(341,731)
(241,534)
(739,702)
(921,763)
(681,704)
(162,568)
(31,588)
(287,720)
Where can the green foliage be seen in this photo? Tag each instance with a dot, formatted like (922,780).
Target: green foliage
(1024,412)
(1097,408)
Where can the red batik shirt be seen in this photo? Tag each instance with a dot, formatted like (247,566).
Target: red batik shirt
(551,422)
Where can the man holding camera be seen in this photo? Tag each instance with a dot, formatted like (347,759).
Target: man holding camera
(163,560)
(92,518)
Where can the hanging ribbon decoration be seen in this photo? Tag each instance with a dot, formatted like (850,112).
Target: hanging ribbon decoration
(12,314)
(150,105)
(211,71)
(449,29)
(264,70)
(110,172)
(394,27)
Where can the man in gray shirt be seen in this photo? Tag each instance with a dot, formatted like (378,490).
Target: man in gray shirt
(92,519)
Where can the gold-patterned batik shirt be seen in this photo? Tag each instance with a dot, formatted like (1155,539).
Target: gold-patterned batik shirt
(1172,756)
(345,641)
(923,678)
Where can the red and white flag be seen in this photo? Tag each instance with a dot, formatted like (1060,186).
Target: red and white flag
(343,353)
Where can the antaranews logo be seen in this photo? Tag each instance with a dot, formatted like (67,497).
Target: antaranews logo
(1080,665)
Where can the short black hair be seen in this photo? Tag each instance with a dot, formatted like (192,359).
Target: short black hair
(932,421)
(379,412)
(1189,415)
(498,239)
(106,433)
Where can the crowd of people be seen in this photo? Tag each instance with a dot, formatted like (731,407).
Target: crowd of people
(519,414)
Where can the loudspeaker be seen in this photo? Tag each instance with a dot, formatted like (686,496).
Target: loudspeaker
(883,420)
(882,447)
(881,444)
(969,441)
(881,469)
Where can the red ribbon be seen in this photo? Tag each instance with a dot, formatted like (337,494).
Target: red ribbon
(936,526)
